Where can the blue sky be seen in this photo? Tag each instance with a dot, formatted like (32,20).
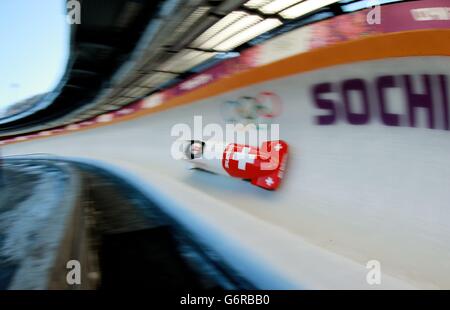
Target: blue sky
(34,46)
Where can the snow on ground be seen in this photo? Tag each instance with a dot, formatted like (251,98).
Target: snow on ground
(31,222)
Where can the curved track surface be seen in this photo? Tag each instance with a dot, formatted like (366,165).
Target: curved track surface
(353,192)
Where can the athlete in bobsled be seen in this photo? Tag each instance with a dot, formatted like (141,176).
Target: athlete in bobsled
(263,166)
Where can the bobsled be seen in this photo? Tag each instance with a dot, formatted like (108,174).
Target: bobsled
(263,166)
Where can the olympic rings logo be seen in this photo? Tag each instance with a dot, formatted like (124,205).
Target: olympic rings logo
(246,109)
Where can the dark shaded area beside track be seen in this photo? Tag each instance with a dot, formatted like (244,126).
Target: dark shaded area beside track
(140,247)
(125,241)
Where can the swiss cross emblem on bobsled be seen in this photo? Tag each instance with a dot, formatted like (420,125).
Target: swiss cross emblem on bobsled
(263,166)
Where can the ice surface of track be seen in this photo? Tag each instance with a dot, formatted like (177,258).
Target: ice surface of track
(352,194)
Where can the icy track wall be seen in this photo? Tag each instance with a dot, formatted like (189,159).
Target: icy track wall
(368,175)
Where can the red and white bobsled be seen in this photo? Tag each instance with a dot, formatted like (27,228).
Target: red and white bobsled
(263,166)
